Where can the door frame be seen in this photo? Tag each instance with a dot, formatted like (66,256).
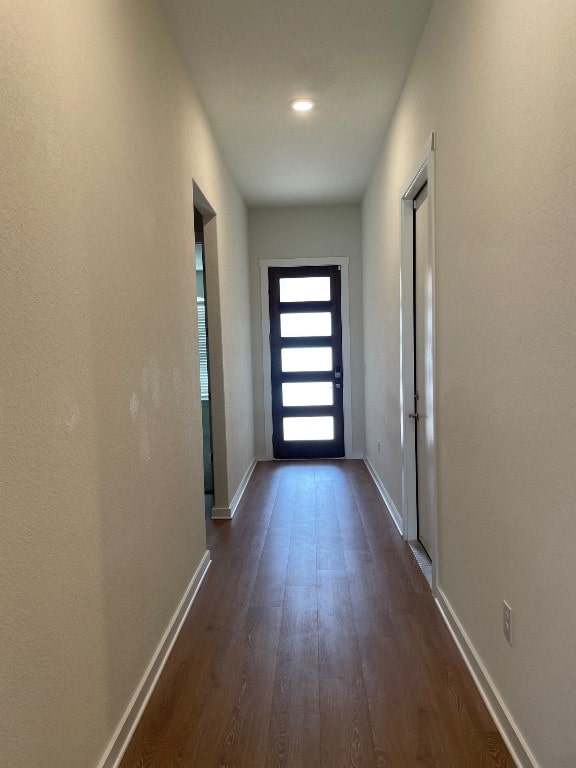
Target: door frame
(343,263)
(221,508)
(199,238)
(423,173)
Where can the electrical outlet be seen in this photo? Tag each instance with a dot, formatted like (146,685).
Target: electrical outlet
(507,622)
(378,446)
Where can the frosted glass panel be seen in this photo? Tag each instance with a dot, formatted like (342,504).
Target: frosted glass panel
(308,393)
(304,289)
(309,428)
(307,359)
(306,324)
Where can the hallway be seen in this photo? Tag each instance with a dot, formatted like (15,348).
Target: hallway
(314,641)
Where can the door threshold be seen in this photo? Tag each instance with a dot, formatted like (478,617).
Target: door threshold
(312,458)
(423,559)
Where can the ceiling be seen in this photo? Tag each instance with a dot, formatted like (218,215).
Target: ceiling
(250,58)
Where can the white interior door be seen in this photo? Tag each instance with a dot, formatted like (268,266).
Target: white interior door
(421,390)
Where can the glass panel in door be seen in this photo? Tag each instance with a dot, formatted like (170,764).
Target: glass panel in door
(300,289)
(302,359)
(306,324)
(309,428)
(308,393)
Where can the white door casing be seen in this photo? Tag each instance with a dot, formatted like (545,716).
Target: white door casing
(423,173)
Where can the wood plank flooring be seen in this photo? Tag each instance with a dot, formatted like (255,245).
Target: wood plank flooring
(314,642)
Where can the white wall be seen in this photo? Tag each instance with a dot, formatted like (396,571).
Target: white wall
(495,81)
(310,232)
(101,524)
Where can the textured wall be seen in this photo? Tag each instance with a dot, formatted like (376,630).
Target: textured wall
(101,526)
(312,232)
(496,83)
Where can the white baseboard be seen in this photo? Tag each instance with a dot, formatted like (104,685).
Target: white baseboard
(127,725)
(221,513)
(227,513)
(392,509)
(508,729)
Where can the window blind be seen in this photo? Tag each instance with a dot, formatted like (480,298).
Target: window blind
(203,349)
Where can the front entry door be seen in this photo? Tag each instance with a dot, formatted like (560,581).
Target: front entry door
(306,362)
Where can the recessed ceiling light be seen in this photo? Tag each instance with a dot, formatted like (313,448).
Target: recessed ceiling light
(302,105)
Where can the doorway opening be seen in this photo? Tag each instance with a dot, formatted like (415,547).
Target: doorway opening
(215,367)
(417,365)
(203,354)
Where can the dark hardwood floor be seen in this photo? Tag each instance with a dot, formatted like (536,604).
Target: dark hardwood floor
(314,642)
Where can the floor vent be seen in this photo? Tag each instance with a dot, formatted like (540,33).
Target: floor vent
(422,559)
